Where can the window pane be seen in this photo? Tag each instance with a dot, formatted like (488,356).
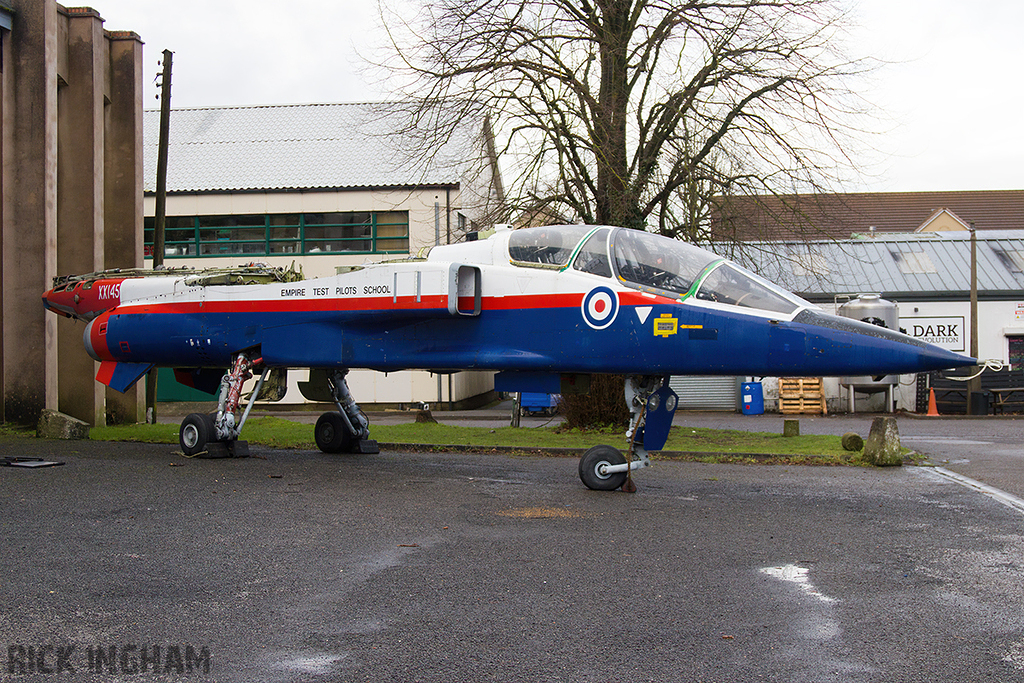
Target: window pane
(284,233)
(340,218)
(178,222)
(179,235)
(395,225)
(337,232)
(392,218)
(184,249)
(317,246)
(233,234)
(284,219)
(231,221)
(399,245)
(217,249)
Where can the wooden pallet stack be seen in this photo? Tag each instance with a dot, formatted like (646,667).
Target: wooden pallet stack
(802,395)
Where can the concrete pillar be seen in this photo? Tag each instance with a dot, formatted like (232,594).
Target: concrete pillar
(29,210)
(71,150)
(122,224)
(7,21)
(80,198)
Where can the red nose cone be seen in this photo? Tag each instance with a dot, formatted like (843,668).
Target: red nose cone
(84,300)
(61,302)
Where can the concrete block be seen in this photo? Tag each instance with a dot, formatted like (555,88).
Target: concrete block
(54,425)
(791,427)
(883,445)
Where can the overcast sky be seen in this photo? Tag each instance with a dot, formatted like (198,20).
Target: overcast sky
(950,97)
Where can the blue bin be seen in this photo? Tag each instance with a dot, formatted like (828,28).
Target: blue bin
(753,398)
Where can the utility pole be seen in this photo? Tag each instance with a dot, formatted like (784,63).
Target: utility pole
(161,161)
(161,206)
(974,385)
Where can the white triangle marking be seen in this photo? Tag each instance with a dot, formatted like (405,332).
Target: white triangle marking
(642,312)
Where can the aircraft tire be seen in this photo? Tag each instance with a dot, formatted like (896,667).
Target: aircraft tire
(195,432)
(331,434)
(591,462)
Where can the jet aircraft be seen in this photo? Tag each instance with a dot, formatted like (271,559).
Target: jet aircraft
(544,307)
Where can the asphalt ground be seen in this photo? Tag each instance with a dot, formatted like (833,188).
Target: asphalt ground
(300,566)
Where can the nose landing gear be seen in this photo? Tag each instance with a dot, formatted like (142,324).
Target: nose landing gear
(652,404)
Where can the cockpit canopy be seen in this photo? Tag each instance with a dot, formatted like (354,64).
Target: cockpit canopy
(651,262)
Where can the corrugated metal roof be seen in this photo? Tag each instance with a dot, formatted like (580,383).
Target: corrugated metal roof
(897,265)
(305,146)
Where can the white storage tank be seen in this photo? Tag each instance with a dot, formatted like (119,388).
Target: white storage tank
(872,308)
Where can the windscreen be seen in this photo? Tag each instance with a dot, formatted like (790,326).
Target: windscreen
(730,284)
(654,261)
(593,256)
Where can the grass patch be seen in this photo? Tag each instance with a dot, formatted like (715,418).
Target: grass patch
(277,432)
(23,431)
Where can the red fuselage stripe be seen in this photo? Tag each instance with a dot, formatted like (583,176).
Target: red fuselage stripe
(383,304)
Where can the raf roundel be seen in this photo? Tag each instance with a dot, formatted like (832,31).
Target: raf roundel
(600,306)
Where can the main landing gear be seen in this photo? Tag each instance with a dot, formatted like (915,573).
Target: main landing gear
(217,434)
(345,431)
(652,405)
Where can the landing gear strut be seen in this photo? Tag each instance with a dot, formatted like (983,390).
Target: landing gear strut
(217,434)
(347,430)
(652,405)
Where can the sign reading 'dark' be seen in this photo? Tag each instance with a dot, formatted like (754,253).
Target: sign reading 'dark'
(946,331)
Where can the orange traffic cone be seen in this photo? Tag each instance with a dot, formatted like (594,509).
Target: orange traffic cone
(933,410)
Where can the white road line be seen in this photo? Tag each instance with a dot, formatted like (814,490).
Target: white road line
(1003,497)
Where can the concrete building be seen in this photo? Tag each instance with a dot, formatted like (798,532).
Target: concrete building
(318,187)
(71,112)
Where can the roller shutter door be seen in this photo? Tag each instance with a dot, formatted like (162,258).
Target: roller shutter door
(701,392)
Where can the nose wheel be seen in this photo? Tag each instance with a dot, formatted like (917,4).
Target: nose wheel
(594,466)
(652,404)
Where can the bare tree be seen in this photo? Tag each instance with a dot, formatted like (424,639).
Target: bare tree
(636,112)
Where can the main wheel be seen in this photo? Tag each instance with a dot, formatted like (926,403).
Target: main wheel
(331,433)
(196,431)
(590,468)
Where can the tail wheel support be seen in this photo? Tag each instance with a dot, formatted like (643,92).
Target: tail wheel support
(217,434)
(348,430)
(652,405)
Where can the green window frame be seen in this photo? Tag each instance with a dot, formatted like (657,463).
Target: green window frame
(255,235)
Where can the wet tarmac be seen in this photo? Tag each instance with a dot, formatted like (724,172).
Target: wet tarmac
(300,566)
